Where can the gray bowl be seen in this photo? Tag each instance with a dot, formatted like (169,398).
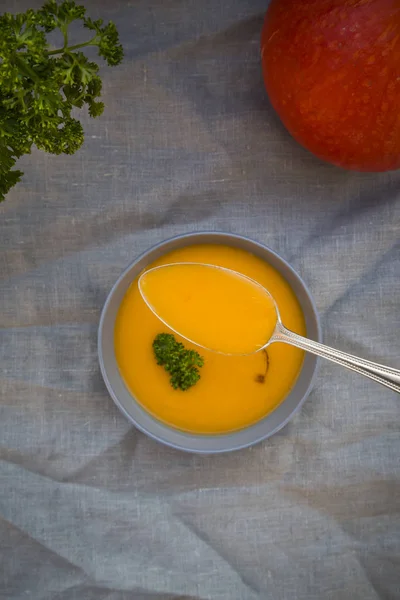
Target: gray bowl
(204,444)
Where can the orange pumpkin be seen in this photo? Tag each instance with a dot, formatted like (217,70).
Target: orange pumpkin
(332,72)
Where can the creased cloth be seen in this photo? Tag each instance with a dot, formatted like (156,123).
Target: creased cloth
(91,509)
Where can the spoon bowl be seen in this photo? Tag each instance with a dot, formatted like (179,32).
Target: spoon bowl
(170,298)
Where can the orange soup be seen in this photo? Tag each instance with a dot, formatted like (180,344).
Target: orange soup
(218,309)
(233,391)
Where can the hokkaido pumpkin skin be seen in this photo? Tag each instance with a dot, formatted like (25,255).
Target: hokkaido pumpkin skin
(332,72)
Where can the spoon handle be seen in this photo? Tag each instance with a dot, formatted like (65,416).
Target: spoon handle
(385,375)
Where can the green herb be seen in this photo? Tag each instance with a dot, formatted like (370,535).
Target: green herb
(181,364)
(40,86)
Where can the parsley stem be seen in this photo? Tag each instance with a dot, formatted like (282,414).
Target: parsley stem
(65,35)
(91,42)
(25,68)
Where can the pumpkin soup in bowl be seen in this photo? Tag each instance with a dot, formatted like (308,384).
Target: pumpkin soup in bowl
(233,392)
(216,403)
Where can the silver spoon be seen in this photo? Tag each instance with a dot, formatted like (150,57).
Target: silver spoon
(386,376)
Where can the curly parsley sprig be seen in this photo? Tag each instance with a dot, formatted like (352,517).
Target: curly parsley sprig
(180,363)
(39,86)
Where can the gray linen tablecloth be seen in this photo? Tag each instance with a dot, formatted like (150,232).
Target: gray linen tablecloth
(91,509)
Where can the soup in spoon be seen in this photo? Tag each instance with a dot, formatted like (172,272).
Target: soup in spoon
(213,307)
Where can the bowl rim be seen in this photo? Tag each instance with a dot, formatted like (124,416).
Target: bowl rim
(179,439)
